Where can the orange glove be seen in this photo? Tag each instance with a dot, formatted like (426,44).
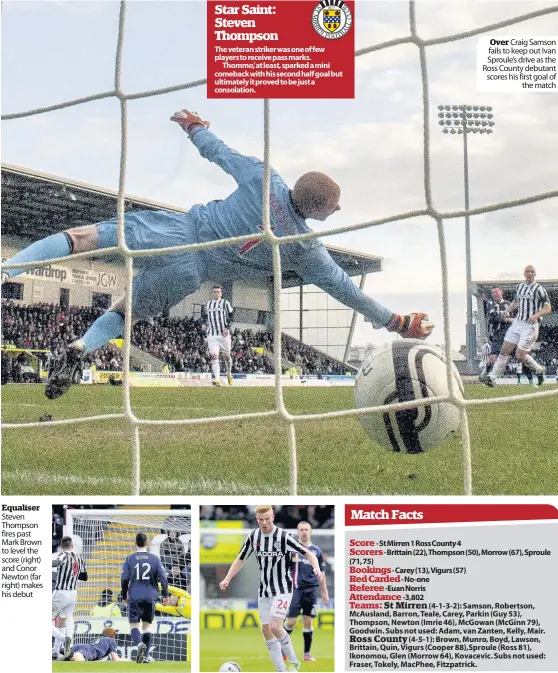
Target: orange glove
(412,326)
(188,119)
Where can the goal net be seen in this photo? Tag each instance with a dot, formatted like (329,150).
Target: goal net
(105,538)
(289,420)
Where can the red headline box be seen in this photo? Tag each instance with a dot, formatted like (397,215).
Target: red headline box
(388,515)
(281,49)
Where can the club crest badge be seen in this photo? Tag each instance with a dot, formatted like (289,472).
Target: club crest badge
(332,19)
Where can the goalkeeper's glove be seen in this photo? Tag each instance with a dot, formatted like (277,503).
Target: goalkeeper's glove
(188,120)
(412,326)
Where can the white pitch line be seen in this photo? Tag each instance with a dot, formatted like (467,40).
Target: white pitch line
(108,407)
(168,486)
(154,486)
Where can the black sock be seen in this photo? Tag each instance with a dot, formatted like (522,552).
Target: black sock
(489,366)
(307,635)
(289,631)
(147,639)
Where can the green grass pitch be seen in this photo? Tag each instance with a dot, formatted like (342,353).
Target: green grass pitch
(248,650)
(513,446)
(123,666)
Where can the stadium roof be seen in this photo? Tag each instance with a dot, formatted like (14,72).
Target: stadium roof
(35,205)
(482,288)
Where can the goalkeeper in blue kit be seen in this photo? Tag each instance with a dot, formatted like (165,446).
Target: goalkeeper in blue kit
(162,281)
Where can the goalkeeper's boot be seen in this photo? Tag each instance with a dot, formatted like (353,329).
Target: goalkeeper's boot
(142,649)
(412,326)
(230,379)
(65,370)
(67,647)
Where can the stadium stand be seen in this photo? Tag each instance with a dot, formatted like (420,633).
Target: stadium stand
(179,342)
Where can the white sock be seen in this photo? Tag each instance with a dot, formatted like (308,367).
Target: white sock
(57,634)
(500,365)
(216,369)
(70,626)
(286,644)
(275,654)
(530,362)
(59,640)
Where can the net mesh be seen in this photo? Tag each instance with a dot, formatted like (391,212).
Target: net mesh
(105,540)
(291,420)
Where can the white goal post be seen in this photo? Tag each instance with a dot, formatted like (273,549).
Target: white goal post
(105,537)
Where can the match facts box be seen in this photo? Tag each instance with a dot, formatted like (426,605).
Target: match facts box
(281,49)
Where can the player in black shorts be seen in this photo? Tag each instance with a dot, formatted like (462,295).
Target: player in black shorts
(497,327)
(305,596)
(142,573)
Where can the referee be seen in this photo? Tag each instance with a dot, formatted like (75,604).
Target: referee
(217,318)
(70,567)
(272,547)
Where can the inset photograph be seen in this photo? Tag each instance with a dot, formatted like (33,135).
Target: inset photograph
(121,585)
(267,587)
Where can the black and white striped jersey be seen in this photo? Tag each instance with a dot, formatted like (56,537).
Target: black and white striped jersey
(273,557)
(68,571)
(217,316)
(530,298)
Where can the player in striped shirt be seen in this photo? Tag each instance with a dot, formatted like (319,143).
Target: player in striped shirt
(272,546)
(217,318)
(70,567)
(162,281)
(532,303)
(305,597)
(142,572)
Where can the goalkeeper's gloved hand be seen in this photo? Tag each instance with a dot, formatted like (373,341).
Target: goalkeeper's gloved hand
(412,326)
(187,120)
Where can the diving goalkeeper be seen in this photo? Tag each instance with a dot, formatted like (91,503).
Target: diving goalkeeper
(180,603)
(162,281)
